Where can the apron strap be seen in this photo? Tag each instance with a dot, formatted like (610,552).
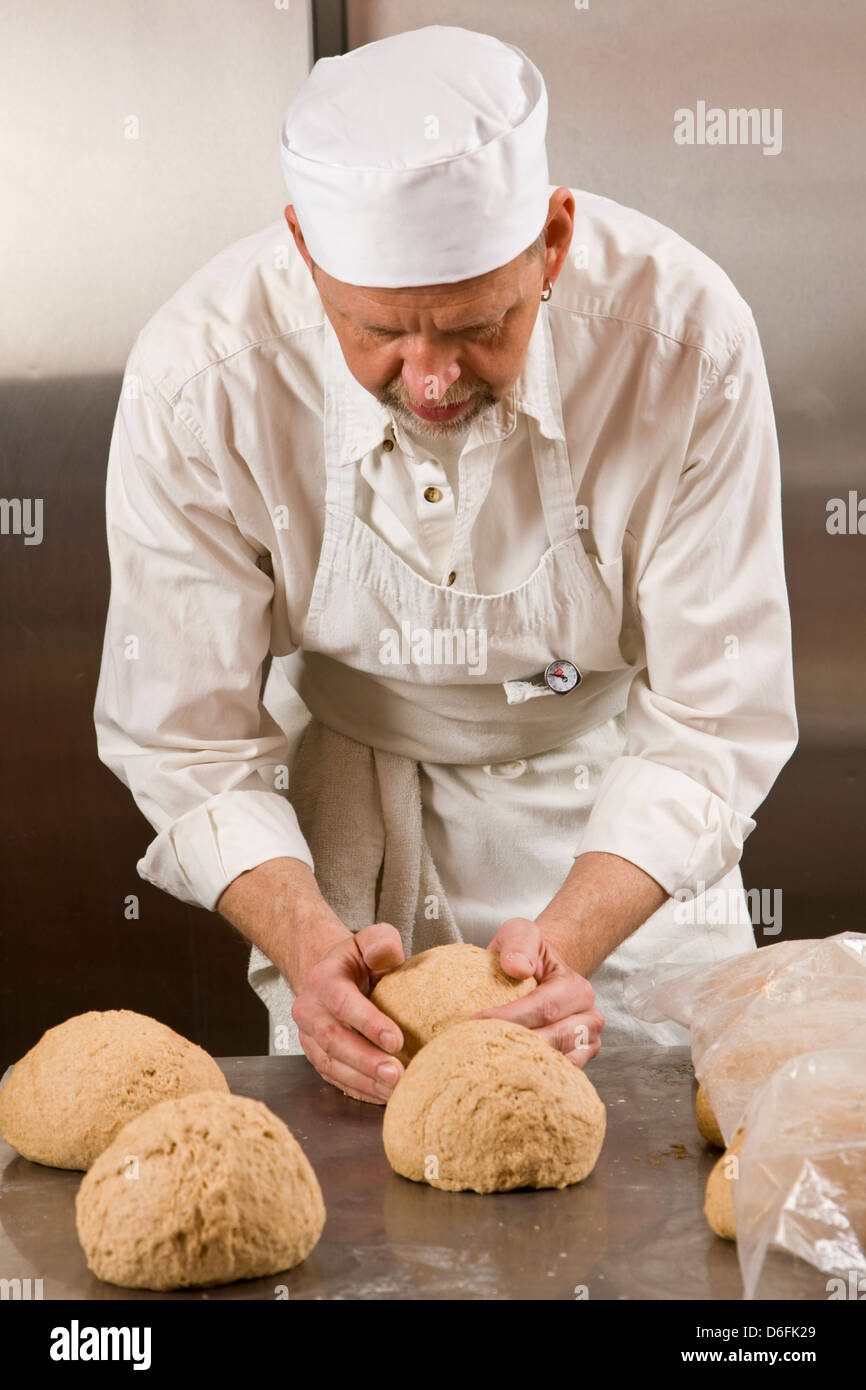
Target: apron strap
(339,478)
(550,455)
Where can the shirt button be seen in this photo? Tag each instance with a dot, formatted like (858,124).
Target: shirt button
(506,770)
(432,494)
(450,580)
(387,445)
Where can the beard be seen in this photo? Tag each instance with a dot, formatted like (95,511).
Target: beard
(394,396)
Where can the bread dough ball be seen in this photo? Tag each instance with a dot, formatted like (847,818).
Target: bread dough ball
(706,1120)
(444,985)
(71,1093)
(719,1202)
(491,1106)
(201,1190)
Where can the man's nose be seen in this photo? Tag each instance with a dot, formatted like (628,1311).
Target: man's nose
(427,374)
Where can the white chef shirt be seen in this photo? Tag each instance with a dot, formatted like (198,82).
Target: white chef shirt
(396,504)
(215,512)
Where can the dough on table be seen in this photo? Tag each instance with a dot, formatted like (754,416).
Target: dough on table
(719,1201)
(70,1094)
(706,1120)
(491,1106)
(197,1191)
(442,986)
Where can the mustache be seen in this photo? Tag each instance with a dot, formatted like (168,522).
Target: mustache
(396,391)
(441,404)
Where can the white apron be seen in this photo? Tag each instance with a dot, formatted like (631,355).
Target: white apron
(508,769)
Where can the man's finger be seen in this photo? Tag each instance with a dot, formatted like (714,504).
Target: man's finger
(581,1055)
(563,993)
(517,944)
(346,1046)
(380,947)
(570,1034)
(347,1078)
(350,1007)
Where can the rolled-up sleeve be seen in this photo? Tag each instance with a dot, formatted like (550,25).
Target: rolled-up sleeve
(711,717)
(177,711)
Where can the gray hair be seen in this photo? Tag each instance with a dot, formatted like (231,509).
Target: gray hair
(538,250)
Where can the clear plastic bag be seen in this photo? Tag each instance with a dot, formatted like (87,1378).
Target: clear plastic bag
(680,992)
(778,1040)
(749,1014)
(802,1177)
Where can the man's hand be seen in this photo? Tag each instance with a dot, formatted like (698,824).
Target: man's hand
(561,1008)
(341,1032)
(278,906)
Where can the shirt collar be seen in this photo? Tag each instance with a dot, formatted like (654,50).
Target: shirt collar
(361,422)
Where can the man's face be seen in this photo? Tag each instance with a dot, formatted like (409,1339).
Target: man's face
(437,355)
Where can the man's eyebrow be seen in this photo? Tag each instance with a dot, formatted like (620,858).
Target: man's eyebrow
(486,322)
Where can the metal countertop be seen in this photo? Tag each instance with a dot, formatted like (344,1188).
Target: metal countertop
(634,1229)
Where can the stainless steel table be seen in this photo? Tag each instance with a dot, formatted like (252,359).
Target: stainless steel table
(633,1230)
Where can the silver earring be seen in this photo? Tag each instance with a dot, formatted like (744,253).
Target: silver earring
(547,291)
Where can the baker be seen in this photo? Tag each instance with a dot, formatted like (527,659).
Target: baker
(486,470)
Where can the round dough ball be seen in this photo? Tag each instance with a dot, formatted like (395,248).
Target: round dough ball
(442,986)
(70,1094)
(719,1202)
(491,1106)
(706,1120)
(197,1191)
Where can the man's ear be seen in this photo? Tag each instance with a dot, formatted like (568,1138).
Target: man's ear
(295,229)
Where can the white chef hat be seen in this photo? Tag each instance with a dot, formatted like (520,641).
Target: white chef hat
(419,159)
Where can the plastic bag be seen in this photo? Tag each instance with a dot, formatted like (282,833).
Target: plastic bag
(778,1040)
(680,992)
(749,1014)
(802,1176)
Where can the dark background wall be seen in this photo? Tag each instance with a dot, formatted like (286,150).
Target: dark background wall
(70,834)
